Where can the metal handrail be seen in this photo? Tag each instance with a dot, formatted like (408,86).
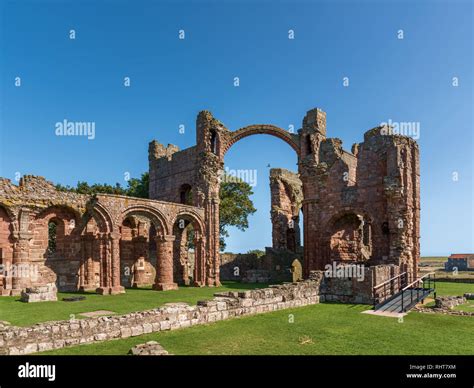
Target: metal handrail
(417,280)
(389,280)
(393,288)
(417,289)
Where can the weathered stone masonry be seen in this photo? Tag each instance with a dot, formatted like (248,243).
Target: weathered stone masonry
(102,243)
(226,305)
(358,207)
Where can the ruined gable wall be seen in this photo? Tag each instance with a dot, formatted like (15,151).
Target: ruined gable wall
(286,198)
(380,184)
(169,169)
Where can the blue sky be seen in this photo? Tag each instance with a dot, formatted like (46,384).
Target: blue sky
(405,80)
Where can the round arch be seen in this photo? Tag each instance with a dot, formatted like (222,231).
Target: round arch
(192,216)
(102,217)
(188,270)
(265,129)
(338,238)
(156,217)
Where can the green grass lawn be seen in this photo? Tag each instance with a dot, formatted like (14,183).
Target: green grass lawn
(451,288)
(468,307)
(326,329)
(24,314)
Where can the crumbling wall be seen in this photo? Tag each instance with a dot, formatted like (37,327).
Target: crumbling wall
(273,266)
(226,305)
(99,243)
(286,198)
(362,206)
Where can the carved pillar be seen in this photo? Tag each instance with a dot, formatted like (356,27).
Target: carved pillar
(140,245)
(199,267)
(20,263)
(212,240)
(88,272)
(164,264)
(22,270)
(113,268)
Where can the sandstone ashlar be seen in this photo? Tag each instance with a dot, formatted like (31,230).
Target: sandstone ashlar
(73,240)
(361,206)
(164,270)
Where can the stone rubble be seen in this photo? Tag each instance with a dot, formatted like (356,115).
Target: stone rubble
(16,340)
(40,293)
(150,348)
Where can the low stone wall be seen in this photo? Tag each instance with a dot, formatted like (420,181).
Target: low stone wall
(449,302)
(445,305)
(58,334)
(353,289)
(275,264)
(40,293)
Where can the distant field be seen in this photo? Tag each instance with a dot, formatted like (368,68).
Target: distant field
(433,259)
(436,264)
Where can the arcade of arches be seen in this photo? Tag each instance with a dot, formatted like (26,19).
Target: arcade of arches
(358,207)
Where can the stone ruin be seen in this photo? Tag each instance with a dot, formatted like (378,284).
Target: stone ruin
(101,243)
(150,348)
(358,207)
(40,294)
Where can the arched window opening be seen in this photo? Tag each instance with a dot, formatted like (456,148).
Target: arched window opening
(52,237)
(186,195)
(213,141)
(309,148)
(367,234)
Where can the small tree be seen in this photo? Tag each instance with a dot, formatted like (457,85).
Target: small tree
(235,207)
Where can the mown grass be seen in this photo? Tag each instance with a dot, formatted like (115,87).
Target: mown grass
(323,329)
(454,289)
(18,313)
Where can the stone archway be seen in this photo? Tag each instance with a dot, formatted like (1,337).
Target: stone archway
(137,267)
(189,264)
(233,137)
(6,250)
(349,237)
(56,244)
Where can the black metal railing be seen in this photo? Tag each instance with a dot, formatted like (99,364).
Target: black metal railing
(389,288)
(423,287)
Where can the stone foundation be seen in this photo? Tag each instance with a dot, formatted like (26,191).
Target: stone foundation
(275,266)
(225,305)
(449,302)
(151,348)
(40,294)
(353,289)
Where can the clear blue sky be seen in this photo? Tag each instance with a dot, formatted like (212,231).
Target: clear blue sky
(280,79)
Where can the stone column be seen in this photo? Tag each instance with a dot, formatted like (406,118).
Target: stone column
(199,267)
(88,263)
(140,245)
(114,268)
(21,268)
(212,240)
(164,263)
